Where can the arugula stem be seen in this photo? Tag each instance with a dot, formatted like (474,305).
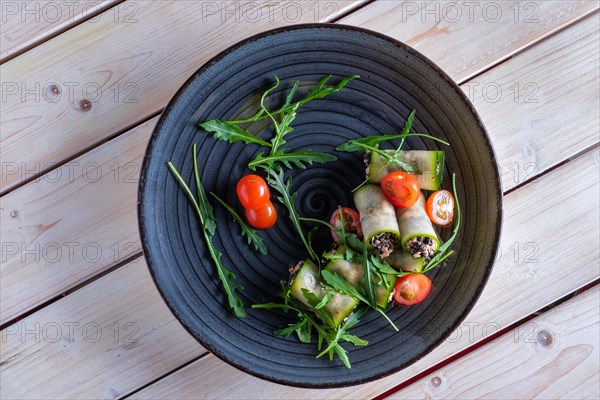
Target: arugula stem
(380,311)
(318,221)
(251,234)
(277,182)
(235,303)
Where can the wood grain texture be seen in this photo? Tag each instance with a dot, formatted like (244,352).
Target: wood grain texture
(517,287)
(522,365)
(71,93)
(475,35)
(73,223)
(100,342)
(26,24)
(113,221)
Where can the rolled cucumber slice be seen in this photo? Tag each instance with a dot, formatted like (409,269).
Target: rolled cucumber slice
(414,223)
(429,164)
(353,272)
(307,278)
(403,261)
(378,219)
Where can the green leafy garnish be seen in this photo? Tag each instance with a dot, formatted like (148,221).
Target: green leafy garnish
(247,231)
(355,145)
(298,158)
(205,214)
(225,130)
(340,284)
(277,181)
(318,92)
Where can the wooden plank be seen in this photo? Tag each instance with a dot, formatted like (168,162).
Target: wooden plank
(48,128)
(514,290)
(517,287)
(576,64)
(530,97)
(71,224)
(501,29)
(69,94)
(26,24)
(100,342)
(554,356)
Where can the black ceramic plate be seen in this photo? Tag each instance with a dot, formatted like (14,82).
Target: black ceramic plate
(394,80)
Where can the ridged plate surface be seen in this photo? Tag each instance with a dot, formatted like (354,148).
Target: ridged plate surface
(394,80)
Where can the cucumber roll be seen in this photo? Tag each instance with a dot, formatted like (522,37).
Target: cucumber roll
(305,276)
(378,219)
(429,165)
(416,230)
(353,272)
(404,261)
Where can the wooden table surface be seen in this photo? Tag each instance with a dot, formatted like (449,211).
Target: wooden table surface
(82,85)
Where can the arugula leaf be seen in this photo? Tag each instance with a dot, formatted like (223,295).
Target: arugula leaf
(227,131)
(298,158)
(205,215)
(277,181)
(355,145)
(333,342)
(290,96)
(368,285)
(325,300)
(440,256)
(340,284)
(390,158)
(383,266)
(314,301)
(406,129)
(283,127)
(318,92)
(355,340)
(247,231)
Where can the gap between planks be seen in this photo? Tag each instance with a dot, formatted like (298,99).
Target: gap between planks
(85,133)
(47,20)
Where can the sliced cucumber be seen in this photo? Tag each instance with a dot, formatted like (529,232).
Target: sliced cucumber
(382,294)
(307,278)
(429,164)
(353,272)
(380,228)
(403,261)
(414,222)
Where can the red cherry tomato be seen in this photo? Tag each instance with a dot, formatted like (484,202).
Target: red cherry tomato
(352,220)
(253,192)
(440,207)
(411,289)
(261,218)
(401,189)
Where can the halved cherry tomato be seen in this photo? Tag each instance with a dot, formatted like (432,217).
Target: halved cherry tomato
(261,218)
(352,220)
(401,189)
(253,192)
(440,207)
(411,289)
